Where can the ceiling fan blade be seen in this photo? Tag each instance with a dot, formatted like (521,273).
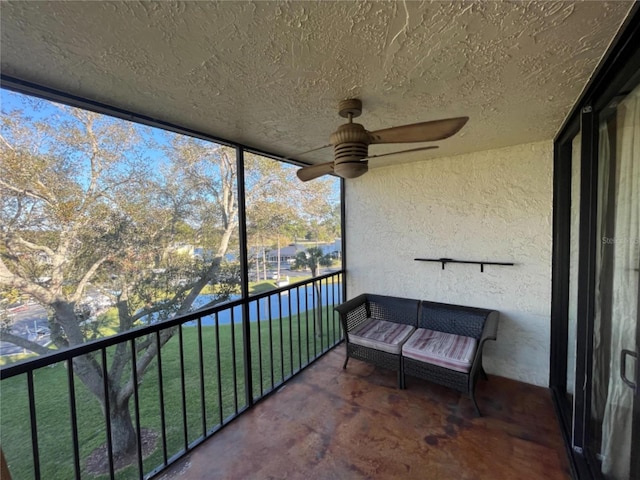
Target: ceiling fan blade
(293,157)
(419,132)
(314,171)
(401,151)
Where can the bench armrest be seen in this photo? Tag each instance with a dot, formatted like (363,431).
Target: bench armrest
(490,330)
(352,313)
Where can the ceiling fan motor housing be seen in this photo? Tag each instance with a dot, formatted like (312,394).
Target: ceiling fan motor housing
(350,145)
(350,169)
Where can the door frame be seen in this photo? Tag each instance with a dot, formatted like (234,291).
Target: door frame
(619,69)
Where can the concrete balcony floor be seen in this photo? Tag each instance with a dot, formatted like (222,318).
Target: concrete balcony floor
(330,423)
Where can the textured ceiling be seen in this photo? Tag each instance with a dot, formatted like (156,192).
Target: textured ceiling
(270,74)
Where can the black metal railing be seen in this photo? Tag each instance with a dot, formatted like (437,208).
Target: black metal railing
(216,364)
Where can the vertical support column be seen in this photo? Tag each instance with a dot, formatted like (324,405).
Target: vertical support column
(560,265)
(586,276)
(343,233)
(244,282)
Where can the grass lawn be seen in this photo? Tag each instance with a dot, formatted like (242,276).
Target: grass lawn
(109,320)
(278,348)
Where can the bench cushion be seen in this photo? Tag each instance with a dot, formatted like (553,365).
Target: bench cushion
(447,350)
(381,335)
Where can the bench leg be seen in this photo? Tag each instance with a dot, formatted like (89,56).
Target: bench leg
(346,351)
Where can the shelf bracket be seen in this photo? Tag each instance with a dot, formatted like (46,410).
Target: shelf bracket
(443,261)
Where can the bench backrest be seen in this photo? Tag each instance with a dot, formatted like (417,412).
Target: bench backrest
(456,319)
(393,309)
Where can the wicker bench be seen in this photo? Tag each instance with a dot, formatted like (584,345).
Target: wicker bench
(363,320)
(438,342)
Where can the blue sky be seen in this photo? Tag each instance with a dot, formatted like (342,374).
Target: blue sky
(39,109)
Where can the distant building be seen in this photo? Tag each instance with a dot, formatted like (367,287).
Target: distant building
(333,249)
(288,253)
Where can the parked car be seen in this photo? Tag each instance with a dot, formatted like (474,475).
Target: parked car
(273,275)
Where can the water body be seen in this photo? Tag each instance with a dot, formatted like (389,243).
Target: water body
(296,300)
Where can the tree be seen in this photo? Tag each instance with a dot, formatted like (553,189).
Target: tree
(279,206)
(81,206)
(312,259)
(268,221)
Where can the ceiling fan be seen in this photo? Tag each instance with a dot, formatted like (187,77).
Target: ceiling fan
(351,142)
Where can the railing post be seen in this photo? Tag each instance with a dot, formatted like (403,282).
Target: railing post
(246,343)
(74,420)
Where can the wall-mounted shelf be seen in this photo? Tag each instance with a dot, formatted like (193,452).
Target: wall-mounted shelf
(444,261)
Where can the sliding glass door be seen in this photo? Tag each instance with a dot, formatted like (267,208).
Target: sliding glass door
(614,367)
(595,358)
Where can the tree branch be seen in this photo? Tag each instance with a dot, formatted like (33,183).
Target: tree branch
(95,155)
(6,143)
(148,311)
(120,360)
(30,245)
(90,372)
(77,295)
(24,285)
(29,193)
(141,346)
(24,343)
(144,361)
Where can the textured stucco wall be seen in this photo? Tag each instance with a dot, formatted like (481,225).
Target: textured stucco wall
(492,205)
